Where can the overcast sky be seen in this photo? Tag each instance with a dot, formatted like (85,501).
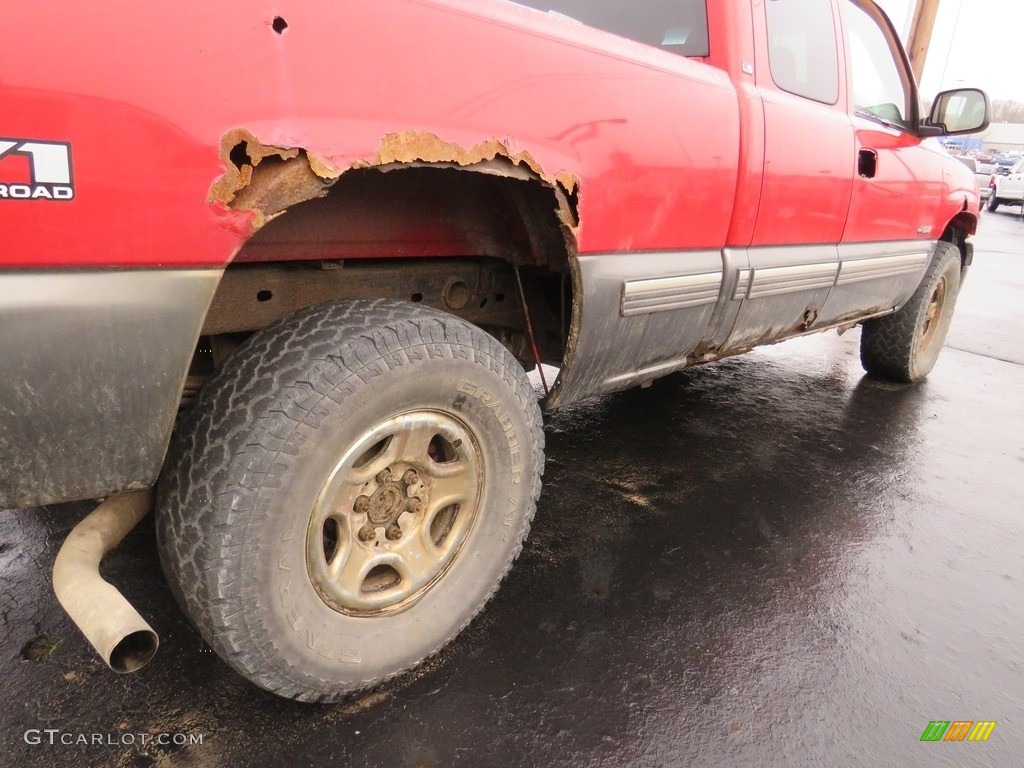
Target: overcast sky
(975,43)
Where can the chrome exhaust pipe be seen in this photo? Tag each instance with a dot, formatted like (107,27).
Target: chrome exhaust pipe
(116,630)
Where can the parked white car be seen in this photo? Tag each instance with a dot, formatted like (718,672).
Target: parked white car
(1008,189)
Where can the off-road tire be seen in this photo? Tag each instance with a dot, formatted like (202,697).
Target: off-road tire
(249,461)
(904,346)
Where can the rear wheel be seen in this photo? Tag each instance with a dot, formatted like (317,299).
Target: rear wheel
(348,492)
(904,346)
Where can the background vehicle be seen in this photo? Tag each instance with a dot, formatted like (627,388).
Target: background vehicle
(1007,189)
(339,235)
(1003,164)
(982,173)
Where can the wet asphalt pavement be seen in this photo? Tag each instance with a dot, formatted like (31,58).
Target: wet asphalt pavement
(770,561)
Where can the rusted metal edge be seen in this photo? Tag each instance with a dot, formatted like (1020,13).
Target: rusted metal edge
(267,179)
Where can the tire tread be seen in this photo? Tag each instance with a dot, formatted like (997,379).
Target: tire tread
(296,364)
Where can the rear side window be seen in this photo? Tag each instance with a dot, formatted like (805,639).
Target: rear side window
(802,53)
(679,26)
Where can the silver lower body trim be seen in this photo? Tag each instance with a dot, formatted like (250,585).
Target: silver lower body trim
(638,316)
(635,312)
(874,277)
(881,268)
(94,364)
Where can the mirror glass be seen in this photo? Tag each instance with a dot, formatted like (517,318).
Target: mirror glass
(961,111)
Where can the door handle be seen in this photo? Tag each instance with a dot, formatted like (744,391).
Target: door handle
(867,163)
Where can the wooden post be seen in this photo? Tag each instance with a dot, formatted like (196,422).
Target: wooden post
(921,34)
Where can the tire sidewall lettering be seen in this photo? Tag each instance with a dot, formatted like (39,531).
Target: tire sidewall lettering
(504,419)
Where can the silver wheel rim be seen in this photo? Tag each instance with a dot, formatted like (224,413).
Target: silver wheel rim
(394,512)
(933,316)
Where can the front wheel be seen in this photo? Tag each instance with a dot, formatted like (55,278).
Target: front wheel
(904,346)
(993,202)
(347,493)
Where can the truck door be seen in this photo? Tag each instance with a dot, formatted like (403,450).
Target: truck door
(808,171)
(888,237)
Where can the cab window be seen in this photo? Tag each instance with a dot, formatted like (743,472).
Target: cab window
(802,53)
(879,82)
(678,26)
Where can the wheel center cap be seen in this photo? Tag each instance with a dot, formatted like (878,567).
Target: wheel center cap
(386,504)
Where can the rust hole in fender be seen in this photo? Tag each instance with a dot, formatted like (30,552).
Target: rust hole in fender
(808,319)
(239,156)
(266,179)
(279,25)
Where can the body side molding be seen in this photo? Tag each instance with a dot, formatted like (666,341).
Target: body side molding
(667,293)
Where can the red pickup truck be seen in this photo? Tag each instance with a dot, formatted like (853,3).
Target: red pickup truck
(288,263)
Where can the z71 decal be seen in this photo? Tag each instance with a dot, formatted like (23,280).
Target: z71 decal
(49,170)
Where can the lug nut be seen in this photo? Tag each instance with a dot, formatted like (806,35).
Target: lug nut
(362,505)
(384,476)
(410,477)
(393,533)
(367,533)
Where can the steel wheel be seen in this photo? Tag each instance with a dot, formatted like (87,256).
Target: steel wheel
(394,513)
(932,315)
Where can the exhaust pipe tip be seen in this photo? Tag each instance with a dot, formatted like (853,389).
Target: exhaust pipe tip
(135,651)
(112,626)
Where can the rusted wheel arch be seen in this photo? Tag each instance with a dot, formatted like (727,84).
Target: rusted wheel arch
(418,198)
(532,216)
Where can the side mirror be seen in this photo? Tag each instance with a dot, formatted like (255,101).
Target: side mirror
(965,110)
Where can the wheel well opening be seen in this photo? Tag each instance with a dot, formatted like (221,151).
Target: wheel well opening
(957,231)
(421,210)
(446,236)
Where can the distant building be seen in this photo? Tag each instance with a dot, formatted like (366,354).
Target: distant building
(959,145)
(1003,137)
